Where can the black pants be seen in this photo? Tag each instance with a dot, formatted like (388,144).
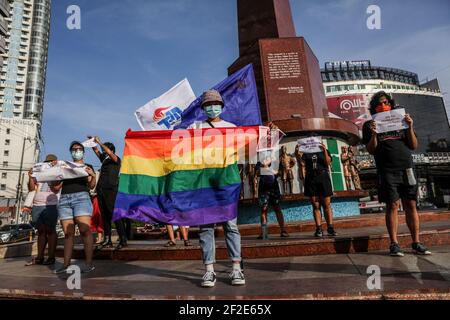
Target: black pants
(106,201)
(127,225)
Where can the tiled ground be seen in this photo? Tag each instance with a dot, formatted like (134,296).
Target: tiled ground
(334,276)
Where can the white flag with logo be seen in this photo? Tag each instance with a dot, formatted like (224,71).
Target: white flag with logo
(164,112)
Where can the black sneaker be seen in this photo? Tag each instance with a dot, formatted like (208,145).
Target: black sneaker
(395,250)
(237,278)
(121,245)
(209,279)
(420,249)
(61,270)
(87,269)
(318,233)
(331,232)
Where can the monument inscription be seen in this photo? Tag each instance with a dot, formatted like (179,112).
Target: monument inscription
(284,65)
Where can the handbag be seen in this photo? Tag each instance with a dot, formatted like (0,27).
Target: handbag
(29,199)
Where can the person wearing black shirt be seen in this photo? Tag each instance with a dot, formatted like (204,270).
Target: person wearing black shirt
(396,181)
(316,175)
(107,187)
(269,195)
(75,207)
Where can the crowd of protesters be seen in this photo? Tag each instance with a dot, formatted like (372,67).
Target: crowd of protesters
(89,205)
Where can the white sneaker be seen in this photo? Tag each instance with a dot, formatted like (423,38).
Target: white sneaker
(209,279)
(237,278)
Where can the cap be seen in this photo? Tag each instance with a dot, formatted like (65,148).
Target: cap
(212,96)
(51,157)
(74,143)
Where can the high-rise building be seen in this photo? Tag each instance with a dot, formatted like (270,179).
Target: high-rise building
(24,36)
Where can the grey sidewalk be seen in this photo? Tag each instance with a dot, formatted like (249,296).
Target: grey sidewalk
(326,276)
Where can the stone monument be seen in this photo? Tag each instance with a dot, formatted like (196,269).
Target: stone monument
(287,72)
(291,95)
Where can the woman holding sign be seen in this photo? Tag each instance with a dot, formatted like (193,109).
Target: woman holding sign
(316,176)
(396,181)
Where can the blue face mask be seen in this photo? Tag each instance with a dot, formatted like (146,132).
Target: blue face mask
(213,111)
(77,155)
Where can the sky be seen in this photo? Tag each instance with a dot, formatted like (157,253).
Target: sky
(128,52)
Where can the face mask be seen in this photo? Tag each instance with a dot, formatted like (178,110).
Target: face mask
(383,108)
(213,111)
(77,155)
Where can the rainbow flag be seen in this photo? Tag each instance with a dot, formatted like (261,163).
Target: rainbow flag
(182,177)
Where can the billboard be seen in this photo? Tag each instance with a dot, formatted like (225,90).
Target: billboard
(354,108)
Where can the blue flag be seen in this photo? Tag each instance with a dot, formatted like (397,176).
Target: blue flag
(241,101)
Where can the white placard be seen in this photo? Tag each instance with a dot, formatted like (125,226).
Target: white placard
(63,170)
(388,121)
(89,143)
(310,145)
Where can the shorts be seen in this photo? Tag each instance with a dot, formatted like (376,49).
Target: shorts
(75,205)
(271,196)
(44,215)
(393,186)
(318,185)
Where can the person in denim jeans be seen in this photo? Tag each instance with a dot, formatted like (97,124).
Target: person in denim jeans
(75,208)
(212,105)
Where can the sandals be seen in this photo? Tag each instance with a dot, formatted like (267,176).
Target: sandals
(35,262)
(187,243)
(284,234)
(170,244)
(104,245)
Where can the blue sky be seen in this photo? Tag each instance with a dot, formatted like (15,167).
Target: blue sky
(130,51)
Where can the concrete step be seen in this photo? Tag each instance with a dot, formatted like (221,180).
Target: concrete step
(355,240)
(366,220)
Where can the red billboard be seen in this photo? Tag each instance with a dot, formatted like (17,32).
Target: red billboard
(354,108)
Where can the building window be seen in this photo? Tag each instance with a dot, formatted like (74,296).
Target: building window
(4,175)
(5,164)
(6,153)
(3,187)
(8,131)
(7,142)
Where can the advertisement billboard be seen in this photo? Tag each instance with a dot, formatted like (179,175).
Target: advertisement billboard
(354,108)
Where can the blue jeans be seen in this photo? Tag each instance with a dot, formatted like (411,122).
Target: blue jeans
(232,238)
(74,205)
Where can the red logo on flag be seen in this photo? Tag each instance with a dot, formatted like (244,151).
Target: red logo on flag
(159,114)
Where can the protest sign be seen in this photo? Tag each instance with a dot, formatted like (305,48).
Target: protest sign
(63,170)
(388,121)
(310,145)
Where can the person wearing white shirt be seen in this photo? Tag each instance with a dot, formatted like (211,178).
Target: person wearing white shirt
(44,214)
(212,105)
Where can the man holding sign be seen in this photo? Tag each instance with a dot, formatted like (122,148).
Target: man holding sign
(390,137)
